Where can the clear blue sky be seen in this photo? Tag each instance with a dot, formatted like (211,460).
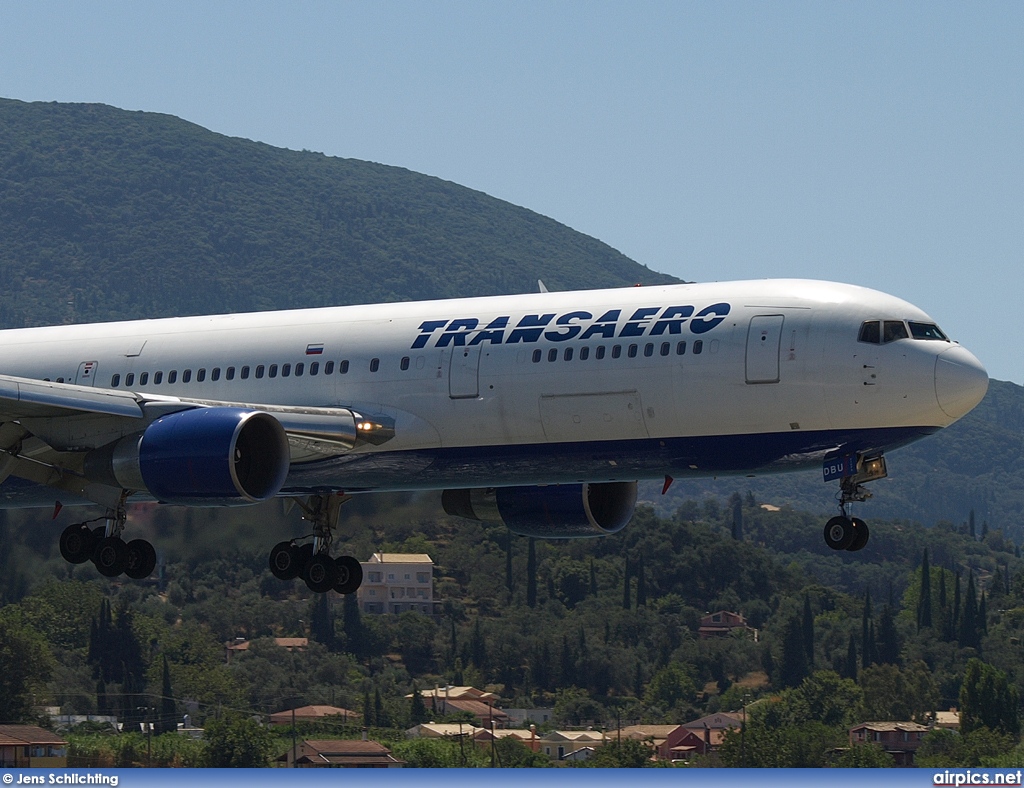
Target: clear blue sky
(875,143)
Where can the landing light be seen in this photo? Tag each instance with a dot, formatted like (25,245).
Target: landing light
(368,426)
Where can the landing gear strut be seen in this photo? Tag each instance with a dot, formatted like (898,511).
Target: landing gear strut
(312,560)
(104,546)
(851,533)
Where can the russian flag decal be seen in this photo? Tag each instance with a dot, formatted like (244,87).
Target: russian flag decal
(314,350)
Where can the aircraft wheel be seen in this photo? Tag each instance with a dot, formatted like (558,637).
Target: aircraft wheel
(141,559)
(320,573)
(284,561)
(350,574)
(860,534)
(110,556)
(839,533)
(77,543)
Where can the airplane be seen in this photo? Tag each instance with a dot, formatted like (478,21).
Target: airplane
(540,411)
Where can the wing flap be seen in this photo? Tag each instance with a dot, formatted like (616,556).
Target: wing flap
(25,398)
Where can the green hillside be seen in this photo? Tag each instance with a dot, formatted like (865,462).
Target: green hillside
(109,214)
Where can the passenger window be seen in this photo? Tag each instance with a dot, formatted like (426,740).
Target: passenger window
(314,367)
(272,373)
(60,380)
(895,329)
(616,351)
(870,331)
(632,351)
(648,350)
(666,348)
(298,370)
(680,348)
(343,368)
(259,371)
(552,354)
(584,353)
(329,368)
(186,376)
(374,364)
(143,378)
(405,363)
(215,374)
(158,378)
(245,373)
(129,379)
(172,376)
(567,355)
(537,356)
(229,373)
(115,381)
(599,353)
(286,370)
(200,376)
(698,346)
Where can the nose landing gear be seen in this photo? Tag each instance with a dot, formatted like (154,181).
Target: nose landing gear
(312,560)
(851,533)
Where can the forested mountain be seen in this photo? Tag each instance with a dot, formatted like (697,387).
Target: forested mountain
(107,214)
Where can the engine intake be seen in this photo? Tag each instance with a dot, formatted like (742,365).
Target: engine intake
(199,457)
(568,511)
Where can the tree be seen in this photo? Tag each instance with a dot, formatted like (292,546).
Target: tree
(988,700)
(970,633)
(237,741)
(321,625)
(794,667)
(924,607)
(865,756)
(736,505)
(888,642)
(531,573)
(808,630)
(25,666)
(417,709)
(168,721)
(669,687)
(641,584)
(624,754)
(626,601)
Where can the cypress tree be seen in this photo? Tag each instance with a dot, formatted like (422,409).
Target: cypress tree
(352,625)
(168,722)
(808,631)
(924,607)
(321,621)
(850,666)
(593,578)
(626,603)
(971,526)
(887,639)
(509,583)
(982,618)
(968,635)
(794,667)
(865,633)
(368,719)
(417,709)
(641,584)
(736,504)
(531,573)
(954,626)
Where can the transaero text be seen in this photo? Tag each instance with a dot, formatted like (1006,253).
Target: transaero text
(650,321)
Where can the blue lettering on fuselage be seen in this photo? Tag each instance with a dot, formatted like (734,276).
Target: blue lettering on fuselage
(645,321)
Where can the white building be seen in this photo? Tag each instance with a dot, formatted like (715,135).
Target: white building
(396,582)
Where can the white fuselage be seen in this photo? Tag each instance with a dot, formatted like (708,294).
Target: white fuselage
(550,387)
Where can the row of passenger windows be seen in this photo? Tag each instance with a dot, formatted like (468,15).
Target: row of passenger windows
(632,351)
(259,372)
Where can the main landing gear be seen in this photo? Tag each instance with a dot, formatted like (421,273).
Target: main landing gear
(104,546)
(312,560)
(851,533)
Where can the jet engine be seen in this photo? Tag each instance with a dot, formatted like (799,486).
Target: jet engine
(565,511)
(199,457)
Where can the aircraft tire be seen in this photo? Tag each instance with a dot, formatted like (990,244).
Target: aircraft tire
(284,561)
(860,534)
(320,573)
(350,574)
(141,559)
(839,533)
(110,556)
(77,543)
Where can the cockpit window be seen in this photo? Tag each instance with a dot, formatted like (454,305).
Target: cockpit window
(926,331)
(871,331)
(894,329)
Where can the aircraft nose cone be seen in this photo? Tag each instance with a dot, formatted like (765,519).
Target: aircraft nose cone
(960,381)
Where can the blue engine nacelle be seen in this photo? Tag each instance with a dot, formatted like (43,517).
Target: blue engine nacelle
(199,457)
(564,511)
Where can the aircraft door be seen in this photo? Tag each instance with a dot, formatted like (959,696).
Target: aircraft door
(86,373)
(763,340)
(464,373)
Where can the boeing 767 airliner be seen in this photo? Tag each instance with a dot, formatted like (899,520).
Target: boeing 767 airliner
(540,411)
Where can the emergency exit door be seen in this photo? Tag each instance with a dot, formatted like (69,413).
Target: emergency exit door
(764,338)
